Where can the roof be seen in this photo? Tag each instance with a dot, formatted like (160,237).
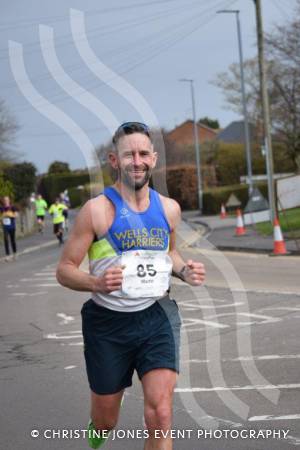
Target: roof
(199,124)
(235,132)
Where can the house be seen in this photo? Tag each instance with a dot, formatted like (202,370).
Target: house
(183,135)
(235,133)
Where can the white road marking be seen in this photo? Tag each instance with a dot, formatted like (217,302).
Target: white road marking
(281,308)
(26,294)
(66,319)
(44,274)
(188,323)
(194,305)
(47,285)
(12,285)
(76,343)
(245,358)
(240,388)
(293,440)
(66,335)
(264,291)
(34,279)
(271,417)
(69,367)
(263,319)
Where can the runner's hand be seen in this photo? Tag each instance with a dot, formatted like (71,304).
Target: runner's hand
(111,280)
(194,273)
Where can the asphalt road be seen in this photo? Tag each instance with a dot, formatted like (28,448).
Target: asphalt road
(240,358)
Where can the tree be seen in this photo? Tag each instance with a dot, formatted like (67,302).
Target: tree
(6,187)
(211,123)
(283,63)
(22,176)
(8,129)
(283,45)
(58,167)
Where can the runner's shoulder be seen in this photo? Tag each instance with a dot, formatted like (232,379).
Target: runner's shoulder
(98,213)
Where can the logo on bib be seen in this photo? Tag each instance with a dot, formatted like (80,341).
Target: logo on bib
(124,213)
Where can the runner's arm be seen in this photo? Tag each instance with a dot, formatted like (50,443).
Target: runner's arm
(68,272)
(192,272)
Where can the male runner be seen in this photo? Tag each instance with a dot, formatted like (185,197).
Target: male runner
(130,323)
(40,212)
(56,211)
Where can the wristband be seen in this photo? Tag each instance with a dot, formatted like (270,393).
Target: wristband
(181,273)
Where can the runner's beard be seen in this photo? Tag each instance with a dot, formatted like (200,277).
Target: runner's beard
(136,185)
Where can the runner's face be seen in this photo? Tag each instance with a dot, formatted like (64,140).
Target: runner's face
(134,160)
(6,201)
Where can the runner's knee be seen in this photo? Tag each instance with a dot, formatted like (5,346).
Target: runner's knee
(158,417)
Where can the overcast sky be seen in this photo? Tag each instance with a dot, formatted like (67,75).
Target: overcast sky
(149,46)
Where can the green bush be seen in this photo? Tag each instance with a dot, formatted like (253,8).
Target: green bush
(213,198)
(52,185)
(22,176)
(181,184)
(6,188)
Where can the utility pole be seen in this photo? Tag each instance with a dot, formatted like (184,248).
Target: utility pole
(245,113)
(265,110)
(197,145)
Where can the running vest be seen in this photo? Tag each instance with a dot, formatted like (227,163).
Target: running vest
(130,231)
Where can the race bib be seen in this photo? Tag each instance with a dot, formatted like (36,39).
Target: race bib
(6,221)
(147,273)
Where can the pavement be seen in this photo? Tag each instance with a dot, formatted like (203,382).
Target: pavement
(221,234)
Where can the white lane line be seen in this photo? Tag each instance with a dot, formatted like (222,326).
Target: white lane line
(44,274)
(46,278)
(69,367)
(66,335)
(66,319)
(240,388)
(271,417)
(187,323)
(293,440)
(47,285)
(25,294)
(264,291)
(262,318)
(245,358)
(280,308)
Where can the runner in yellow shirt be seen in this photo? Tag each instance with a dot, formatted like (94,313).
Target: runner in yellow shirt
(40,212)
(58,219)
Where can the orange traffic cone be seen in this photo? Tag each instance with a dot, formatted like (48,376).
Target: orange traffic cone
(223,213)
(240,229)
(279,244)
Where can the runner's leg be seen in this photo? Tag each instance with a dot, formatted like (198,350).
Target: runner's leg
(105,410)
(12,234)
(6,243)
(158,386)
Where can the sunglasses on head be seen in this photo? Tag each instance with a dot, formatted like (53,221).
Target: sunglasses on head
(130,125)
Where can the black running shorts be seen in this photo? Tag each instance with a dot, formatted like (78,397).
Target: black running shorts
(117,343)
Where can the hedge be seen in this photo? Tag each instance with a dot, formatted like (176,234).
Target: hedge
(51,186)
(182,186)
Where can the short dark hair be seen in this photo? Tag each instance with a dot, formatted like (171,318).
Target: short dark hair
(130,128)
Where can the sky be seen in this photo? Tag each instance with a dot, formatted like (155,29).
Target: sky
(72,71)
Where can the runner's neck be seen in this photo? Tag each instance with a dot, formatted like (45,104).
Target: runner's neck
(138,201)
